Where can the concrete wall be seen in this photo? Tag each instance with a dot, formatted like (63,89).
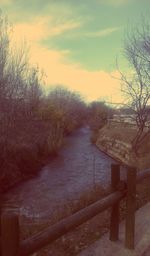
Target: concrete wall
(117,149)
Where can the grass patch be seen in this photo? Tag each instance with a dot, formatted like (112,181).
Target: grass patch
(119,132)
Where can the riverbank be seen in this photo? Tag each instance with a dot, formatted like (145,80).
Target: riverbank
(31,133)
(115,140)
(78,166)
(29,151)
(76,177)
(25,154)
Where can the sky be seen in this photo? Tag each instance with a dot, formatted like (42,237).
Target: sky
(77,42)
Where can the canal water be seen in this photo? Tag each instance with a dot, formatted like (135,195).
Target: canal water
(78,167)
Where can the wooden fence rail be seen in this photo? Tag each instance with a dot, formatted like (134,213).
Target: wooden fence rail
(12,246)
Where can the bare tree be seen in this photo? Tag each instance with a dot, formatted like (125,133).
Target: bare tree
(20,84)
(68,107)
(136,85)
(98,114)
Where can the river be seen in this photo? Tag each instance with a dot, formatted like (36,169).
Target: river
(78,166)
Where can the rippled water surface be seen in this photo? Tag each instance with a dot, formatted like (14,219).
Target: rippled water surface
(77,167)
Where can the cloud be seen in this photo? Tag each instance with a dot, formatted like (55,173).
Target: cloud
(6,2)
(42,27)
(93,34)
(103,32)
(114,2)
(61,28)
(35,31)
(92,84)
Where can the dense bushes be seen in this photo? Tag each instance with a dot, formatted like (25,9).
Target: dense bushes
(67,107)
(65,111)
(20,95)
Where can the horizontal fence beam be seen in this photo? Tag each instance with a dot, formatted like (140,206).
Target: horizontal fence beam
(52,233)
(142,175)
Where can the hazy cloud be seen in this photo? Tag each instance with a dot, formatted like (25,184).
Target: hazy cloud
(61,28)
(43,27)
(102,33)
(6,2)
(114,2)
(92,84)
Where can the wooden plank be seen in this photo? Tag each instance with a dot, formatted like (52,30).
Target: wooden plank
(0,230)
(49,235)
(130,209)
(9,233)
(114,220)
(142,175)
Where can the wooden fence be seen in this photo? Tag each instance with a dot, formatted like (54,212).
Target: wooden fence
(11,245)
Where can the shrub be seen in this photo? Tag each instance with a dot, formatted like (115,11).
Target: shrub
(55,139)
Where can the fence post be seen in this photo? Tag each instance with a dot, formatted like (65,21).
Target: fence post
(0,231)
(9,233)
(130,208)
(114,221)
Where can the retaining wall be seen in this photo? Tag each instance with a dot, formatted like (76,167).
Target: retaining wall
(119,150)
